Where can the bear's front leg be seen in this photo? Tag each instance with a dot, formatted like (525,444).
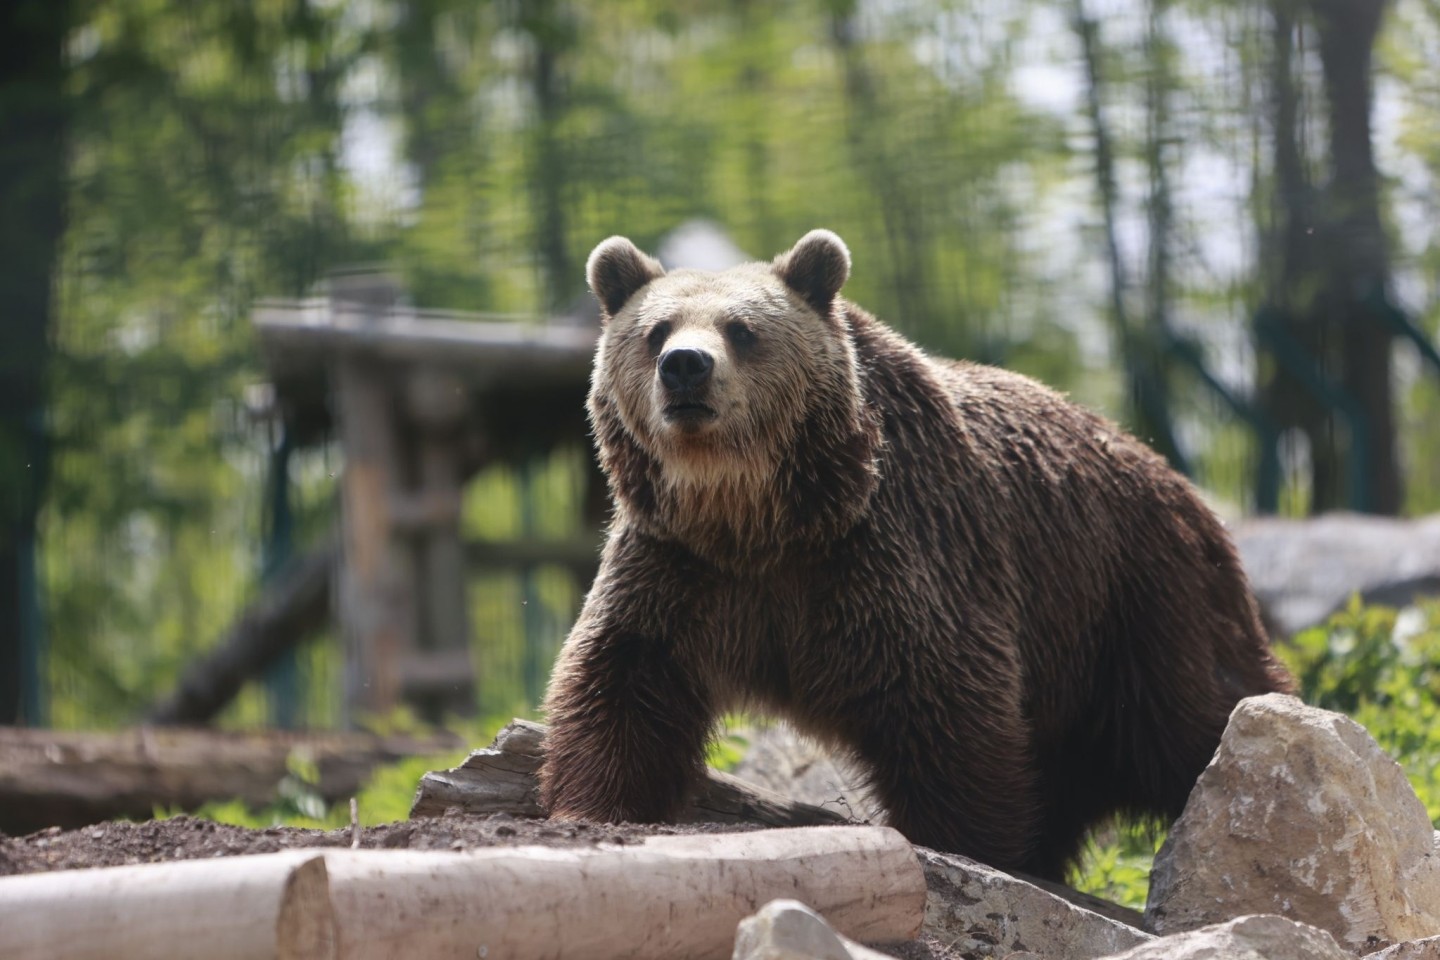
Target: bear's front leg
(628,727)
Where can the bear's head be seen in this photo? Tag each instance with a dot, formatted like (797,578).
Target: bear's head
(729,407)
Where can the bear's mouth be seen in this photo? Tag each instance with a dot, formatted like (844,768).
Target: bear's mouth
(689,412)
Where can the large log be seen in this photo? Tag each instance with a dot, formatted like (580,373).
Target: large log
(502,779)
(70,778)
(668,897)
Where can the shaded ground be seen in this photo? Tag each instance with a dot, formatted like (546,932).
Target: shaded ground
(118,843)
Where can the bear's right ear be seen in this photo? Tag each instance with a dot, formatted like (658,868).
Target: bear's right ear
(616,269)
(816,268)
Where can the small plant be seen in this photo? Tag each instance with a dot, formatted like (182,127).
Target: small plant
(1383,669)
(1116,865)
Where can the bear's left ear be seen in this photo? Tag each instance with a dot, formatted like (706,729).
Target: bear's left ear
(616,270)
(816,268)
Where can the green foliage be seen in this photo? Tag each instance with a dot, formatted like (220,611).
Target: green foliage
(222,152)
(1378,666)
(1116,864)
(1383,669)
(729,746)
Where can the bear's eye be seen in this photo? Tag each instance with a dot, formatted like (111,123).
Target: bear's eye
(740,335)
(657,336)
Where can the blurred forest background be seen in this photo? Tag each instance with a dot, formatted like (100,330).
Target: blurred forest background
(1213,221)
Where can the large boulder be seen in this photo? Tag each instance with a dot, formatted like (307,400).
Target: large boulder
(1265,937)
(1301,814)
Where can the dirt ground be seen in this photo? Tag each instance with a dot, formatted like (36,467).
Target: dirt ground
(118,843)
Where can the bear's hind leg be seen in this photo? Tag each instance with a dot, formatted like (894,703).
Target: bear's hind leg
(970,792)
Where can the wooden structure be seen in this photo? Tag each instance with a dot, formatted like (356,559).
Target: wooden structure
(420,400)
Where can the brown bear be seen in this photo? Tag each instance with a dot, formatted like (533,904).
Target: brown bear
(1017,619)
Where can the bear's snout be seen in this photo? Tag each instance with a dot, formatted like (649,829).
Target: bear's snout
(685,369)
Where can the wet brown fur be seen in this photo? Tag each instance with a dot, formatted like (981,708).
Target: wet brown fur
(1017,618)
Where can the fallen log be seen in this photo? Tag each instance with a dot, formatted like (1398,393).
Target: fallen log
(502,779)
(54,778)
(668,897)
(294,606)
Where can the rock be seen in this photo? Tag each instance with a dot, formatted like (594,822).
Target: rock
(502,779)
(782,760)
(1301,814)
(986,913)
(789,930)
(1427,949)
(1264,937)
(1304,570)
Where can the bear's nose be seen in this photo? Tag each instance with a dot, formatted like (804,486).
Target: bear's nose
(685,368)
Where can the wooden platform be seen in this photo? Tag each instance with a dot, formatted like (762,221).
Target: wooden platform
(419,401)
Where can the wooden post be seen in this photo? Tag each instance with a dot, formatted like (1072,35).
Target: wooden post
(437,402)
(377,604)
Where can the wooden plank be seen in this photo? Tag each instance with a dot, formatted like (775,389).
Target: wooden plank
(437,674)
(581,553)
(297,336)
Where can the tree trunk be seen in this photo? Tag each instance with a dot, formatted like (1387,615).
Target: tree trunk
(865,119)
(32,161)
(550,29)
(1293,237)
(1149,396)
(1358,269)
(1331,269)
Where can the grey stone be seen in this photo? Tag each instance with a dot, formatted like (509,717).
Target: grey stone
(1263,937)
(789,930)
(1427,949)
(1301,814)
(1304,570)
(986,913)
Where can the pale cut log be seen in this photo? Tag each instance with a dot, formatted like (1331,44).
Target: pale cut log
(234,908)
(669,897)
(502,779)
